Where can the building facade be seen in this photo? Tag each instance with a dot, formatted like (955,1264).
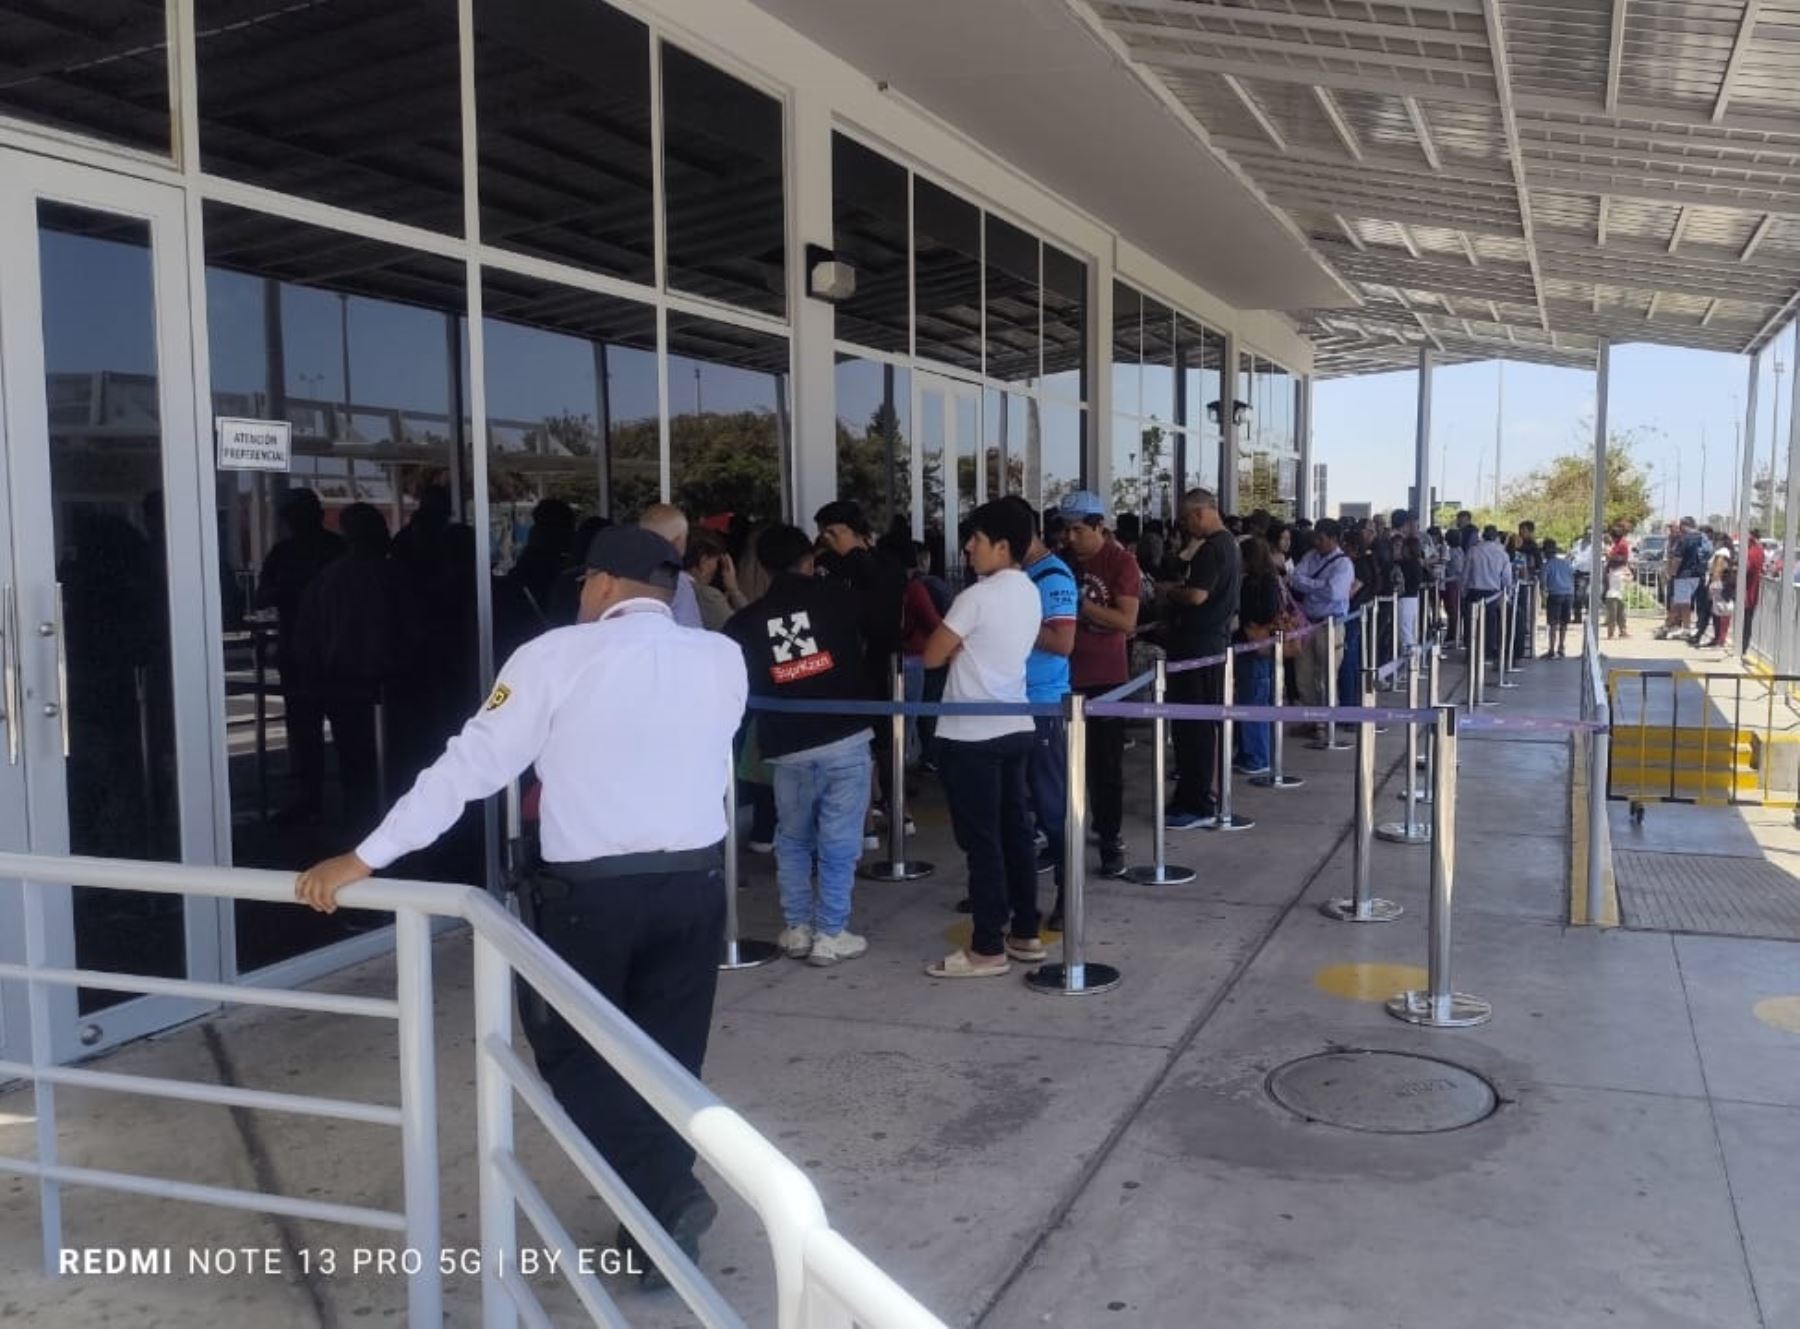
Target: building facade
(471,275)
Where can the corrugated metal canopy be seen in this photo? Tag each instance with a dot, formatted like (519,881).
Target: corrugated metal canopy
(1507,177)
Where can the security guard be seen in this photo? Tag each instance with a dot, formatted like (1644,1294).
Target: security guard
(628,719)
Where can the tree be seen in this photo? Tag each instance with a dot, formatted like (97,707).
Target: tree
(1559,497)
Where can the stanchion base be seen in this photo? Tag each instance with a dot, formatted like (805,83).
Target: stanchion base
(1508,685)
(907,869)
(1460,1012)
(1056,980)
(1232,823)
(1169,874)
(1396,832)
(1376,911)
(746,954)
(1276,781)
(1488,701)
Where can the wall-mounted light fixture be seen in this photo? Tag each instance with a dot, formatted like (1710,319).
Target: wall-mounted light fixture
(828,277)
(1240,412)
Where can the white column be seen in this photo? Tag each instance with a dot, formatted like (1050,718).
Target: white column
(814,411)
(1228,461)
(1100,367)
(1422,442)
(1745,499)
(1792,525)
(1597,583)
(1303,490)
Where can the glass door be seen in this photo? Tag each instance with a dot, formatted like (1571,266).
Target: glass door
(948,416)
(108,732)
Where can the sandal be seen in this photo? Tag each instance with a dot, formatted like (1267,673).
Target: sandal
(1026,950)
(957,964)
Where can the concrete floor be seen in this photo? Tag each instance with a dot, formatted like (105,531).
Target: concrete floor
(1022,1160)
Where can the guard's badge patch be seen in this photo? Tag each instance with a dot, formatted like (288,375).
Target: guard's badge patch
(498,698)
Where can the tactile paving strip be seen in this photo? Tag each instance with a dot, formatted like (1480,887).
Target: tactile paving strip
(1717,894)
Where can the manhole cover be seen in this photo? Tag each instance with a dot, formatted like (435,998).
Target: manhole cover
(1391,1093)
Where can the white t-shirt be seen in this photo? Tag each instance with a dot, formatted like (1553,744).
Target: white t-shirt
(998,620)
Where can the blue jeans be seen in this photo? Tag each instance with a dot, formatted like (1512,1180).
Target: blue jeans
(1350,671)
(819,816)
(1048,776)
(1255,687)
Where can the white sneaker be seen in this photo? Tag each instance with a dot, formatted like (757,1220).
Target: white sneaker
(796,941)
(761,846)
(845,945)
(871,841)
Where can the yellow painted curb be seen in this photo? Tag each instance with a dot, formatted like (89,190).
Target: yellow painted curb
(1781,1013)
(1370,982)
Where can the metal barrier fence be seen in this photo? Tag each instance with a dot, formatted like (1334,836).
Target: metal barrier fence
(822,1281)
(1713,739)
(1596,708)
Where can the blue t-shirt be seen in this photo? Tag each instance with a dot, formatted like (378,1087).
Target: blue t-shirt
(1559,577)
(1047,675)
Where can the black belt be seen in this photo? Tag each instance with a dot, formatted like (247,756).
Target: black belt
(650,863)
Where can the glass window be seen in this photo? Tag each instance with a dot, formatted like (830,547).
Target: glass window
(947,274)
(723,186)
(358,567)
(1129,466)
(563,93)
(1010,424)
(1159,362)
(1012,303)
(354,103)
(874,438)
(1200,356)
(1128,349)
(100,67)
(1064,450)
(728,421)
(572,436)
(869,232)
(1065,325)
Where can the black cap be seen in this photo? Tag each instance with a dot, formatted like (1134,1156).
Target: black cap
(635,554)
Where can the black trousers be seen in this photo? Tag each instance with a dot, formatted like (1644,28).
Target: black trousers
(1105,772)
(987,788)
(650,945)
(1196,741)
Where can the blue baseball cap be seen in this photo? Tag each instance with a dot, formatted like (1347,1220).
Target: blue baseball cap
(1082,505)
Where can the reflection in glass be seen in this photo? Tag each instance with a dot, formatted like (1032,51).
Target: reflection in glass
(1158,402)
(100,67)
(723,187)
(1065,325)
(947,276)
(933,446)
(1127,349)
(112,573)
(874,450)
(869,232)
(729,434)
(1201,355)
(1013,444)
(1064,450)
(562,90)
(1013,335)
(358,567)
(354,103)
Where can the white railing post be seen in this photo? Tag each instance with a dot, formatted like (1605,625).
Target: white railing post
(418,1115)
(43,1056)
(494,1133)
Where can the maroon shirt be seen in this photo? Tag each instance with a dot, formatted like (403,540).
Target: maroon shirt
(1112,574)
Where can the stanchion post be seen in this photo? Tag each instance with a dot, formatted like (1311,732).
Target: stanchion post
(1368,658)
(896,866)
(1227,819)
(1074,976)
(1361,906)
(1509,634)
(1409,831)
(1440,1006)
(1161,872)
(1393,683)
(1331,742)
(1278,778)
(740,953)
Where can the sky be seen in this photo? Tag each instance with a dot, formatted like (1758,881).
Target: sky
(1364,428)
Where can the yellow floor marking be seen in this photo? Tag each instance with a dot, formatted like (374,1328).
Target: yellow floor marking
(1781,1013)
(1369,982)
(960,934)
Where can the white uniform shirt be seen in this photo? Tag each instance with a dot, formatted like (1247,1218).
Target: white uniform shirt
(630,722)
(998,620)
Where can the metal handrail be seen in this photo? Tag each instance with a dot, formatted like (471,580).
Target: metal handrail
(821,1280)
